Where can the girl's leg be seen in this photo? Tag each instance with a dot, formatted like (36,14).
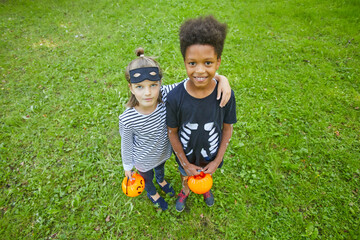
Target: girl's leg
(152,194)
(160,173)
(149,185)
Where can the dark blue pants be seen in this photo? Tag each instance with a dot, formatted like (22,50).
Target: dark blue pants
(149,176)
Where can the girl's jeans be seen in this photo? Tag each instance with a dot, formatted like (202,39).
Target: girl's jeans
(149,176)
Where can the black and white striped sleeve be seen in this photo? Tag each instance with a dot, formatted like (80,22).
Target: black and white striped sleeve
(167,88)
(126,146)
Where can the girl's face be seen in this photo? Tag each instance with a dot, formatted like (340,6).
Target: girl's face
(147,93)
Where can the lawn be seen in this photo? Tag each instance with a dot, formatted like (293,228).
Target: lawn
(292,169)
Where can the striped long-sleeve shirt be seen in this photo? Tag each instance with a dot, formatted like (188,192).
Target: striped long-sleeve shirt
(144,140)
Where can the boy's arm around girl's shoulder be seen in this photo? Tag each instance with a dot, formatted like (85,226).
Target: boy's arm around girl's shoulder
(166,89)
(230,110)
(224,91)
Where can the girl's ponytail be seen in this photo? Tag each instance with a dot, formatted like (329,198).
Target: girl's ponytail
(139,52)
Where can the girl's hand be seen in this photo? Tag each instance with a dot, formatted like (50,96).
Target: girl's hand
(129,174)
(224,90)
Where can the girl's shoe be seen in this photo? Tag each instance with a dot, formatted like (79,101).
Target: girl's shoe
(168,189)
(209,198)
(160,202)
(181,201)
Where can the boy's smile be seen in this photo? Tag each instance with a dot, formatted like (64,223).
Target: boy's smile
(201,63)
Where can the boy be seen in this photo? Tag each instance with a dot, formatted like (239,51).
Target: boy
(199,130)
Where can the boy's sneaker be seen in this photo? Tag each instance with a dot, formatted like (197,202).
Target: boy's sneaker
(209,198)
(159,203)
(181,201)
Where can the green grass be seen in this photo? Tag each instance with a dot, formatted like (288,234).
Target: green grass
(291,171)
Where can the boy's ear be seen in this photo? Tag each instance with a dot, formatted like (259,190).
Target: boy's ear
(218,63)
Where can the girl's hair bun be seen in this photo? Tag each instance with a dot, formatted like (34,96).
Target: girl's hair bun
(139,51)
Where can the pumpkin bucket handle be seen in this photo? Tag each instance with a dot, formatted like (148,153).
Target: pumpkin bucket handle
(127,184)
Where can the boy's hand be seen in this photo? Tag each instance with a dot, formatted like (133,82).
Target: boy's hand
(192,170)
(224,90)
(211,167)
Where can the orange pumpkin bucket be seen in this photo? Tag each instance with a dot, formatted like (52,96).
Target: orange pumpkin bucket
(201,183)
(133,188)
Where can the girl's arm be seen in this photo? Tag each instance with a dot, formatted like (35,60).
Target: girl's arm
(189,168)
(226,135)
(126,149)
(224,90)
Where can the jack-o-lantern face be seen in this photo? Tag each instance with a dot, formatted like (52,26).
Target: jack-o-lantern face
(133,188)
(201,183)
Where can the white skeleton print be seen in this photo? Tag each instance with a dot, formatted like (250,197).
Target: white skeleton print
(211,142)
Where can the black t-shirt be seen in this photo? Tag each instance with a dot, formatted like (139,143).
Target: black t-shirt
(199,122)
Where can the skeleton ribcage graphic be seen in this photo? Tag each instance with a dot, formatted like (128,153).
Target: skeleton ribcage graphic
(209,144)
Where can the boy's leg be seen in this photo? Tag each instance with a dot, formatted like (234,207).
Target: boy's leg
(184,183)
(184,193)
(184,180)
(209,198)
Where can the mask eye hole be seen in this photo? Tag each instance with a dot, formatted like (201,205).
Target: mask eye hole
(152,73)
(137,75)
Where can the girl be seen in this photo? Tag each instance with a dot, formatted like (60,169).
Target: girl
(144,141)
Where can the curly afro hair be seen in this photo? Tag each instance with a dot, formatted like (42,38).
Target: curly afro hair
(203,30)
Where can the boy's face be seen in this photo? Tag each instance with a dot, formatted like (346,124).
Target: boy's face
(201,63)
